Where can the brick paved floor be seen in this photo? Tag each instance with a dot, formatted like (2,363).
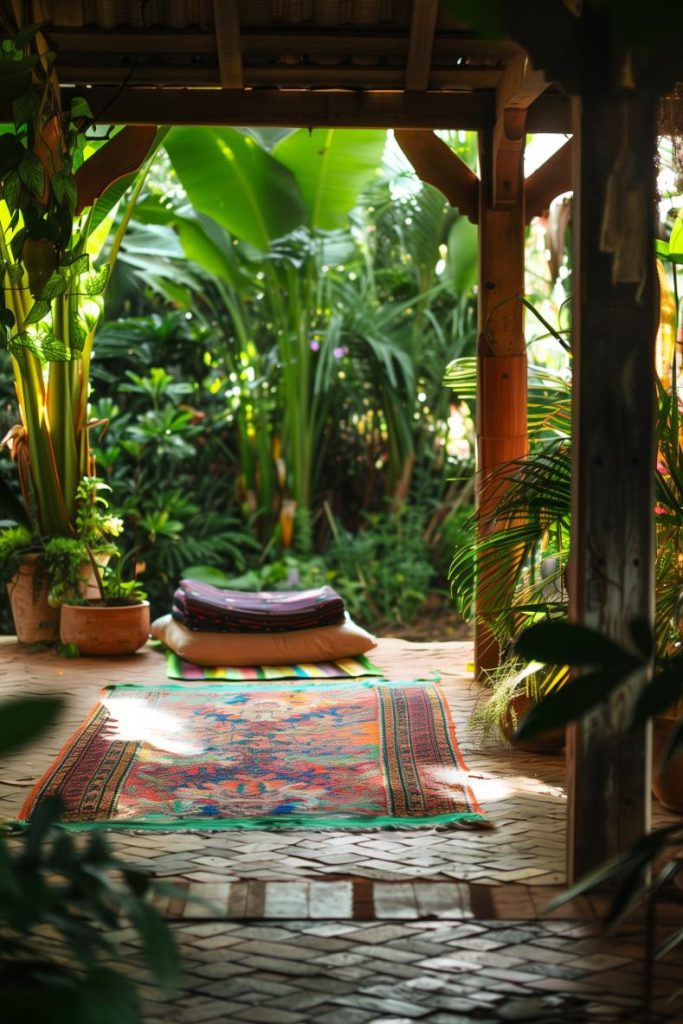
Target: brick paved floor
(382,927)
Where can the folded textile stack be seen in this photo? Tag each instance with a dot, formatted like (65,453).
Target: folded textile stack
(213,627)
(203,607)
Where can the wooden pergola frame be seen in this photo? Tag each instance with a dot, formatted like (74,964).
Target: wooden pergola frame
(413,67)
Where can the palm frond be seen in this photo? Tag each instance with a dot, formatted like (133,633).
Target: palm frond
(531,500)
(548,397)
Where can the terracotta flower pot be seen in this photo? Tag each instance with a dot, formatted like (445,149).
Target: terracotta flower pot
(667,785)
(35,621)
(105,630)
(549,743)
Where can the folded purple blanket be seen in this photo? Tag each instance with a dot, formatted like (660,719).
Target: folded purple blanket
(200,606)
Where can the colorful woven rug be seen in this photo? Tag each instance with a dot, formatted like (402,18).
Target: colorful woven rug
(352,668)
(321,756)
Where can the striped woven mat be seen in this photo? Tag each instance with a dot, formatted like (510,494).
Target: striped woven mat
(345,668)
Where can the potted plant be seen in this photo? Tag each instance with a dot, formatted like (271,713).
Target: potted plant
(62,570)
(515,688)
(116,623)
(115,618)
(23,574)
(59,192)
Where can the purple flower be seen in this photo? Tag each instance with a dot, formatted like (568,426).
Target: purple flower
(315,346)
(340,351)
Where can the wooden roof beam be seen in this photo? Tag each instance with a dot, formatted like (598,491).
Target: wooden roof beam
(282,76)
(517,89)
(552,178)
(226,17)
(324,108)
(421,43)
(337,108)
(339,43)
(437,164)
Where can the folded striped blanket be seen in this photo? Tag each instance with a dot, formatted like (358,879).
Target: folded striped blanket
(200,606)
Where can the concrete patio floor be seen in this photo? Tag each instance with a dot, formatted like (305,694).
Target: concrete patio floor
(358,927)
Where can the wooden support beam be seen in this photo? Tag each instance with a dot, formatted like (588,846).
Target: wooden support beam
(226,18)
(517,89)
(437,164)
(339,108)
(421,42)
(286,107)
(520,84)
(549,180)
(341,43)
(501,368)
(204,74)
(612,542)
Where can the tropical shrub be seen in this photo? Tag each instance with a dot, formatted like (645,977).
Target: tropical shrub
(167,452)
(331,341)
(523,546)
(384,570)
(58,187)
(266,380)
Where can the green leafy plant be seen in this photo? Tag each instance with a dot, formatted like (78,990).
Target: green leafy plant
(522,547)
(384,571)
(58,188)
(520,544)
(115,588)
(328,343)
(642,873)
(171,466)
(81,894)
(68,569)
(280,208)
(15,543)
(71,564)
(104,562)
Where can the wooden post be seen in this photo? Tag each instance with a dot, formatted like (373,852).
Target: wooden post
(501,361)
(501,349)
(612,543)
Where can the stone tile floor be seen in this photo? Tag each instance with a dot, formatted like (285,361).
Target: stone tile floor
(381,927)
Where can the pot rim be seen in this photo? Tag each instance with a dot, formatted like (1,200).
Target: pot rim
(105,607)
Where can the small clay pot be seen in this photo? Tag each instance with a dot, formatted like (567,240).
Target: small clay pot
(103,630)
(35,621)
(667,785)
(551,742)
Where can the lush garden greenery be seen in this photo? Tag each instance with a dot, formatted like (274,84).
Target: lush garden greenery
(267,396)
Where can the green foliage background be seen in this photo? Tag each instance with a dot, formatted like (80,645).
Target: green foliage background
(267,384)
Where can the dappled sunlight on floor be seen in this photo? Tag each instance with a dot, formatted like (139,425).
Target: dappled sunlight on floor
(492,790)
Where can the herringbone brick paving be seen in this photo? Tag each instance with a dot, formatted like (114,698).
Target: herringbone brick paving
(523,794)
(381,927)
